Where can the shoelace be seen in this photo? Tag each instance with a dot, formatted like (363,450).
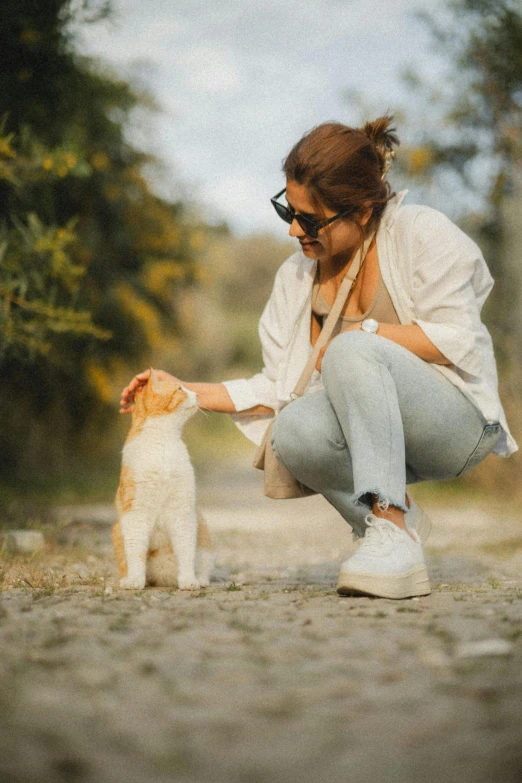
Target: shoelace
(378,531)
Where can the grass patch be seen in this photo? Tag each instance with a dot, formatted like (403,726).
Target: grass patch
(121,623)
(506,548)
(245,626)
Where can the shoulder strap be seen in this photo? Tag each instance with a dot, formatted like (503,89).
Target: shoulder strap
(333,315)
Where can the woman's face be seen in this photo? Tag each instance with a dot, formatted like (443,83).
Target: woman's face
(344,233)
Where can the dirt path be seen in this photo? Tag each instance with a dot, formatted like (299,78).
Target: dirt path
(267,676)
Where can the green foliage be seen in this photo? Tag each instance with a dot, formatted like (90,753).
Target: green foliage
(39,279)
(484,104)
(91,256)
(35,269)
(482,110)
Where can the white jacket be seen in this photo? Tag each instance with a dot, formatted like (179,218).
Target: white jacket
(436,277)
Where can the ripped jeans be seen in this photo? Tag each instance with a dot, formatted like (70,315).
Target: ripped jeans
(385,419)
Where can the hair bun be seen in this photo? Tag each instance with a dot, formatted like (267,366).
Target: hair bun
(384,139)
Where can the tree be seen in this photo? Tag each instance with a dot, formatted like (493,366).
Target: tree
(86,245)
(480,136)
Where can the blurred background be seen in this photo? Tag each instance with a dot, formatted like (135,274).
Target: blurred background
(139,146)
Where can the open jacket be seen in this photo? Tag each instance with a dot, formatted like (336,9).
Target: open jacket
(436,277)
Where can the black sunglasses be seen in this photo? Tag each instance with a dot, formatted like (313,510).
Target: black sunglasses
(309,226)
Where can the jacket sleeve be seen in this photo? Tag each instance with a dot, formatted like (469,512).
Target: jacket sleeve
(260,389)
(450,285)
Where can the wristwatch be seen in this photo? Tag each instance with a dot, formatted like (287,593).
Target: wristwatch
(370,325)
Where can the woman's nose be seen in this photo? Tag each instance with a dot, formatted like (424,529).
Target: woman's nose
(295,229)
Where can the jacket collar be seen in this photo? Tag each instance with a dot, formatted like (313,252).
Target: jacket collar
(392,206)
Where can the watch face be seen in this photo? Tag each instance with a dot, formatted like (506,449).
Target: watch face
(370,325)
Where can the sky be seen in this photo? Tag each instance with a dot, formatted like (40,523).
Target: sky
(238,82)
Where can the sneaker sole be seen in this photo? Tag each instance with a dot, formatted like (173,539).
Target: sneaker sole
(411,583)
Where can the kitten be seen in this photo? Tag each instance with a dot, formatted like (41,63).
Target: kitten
(159,539)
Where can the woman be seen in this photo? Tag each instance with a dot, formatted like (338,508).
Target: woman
(406,389)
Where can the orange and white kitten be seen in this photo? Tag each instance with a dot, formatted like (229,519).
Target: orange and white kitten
(159,539)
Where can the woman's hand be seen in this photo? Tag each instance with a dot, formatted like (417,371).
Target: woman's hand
(137,383)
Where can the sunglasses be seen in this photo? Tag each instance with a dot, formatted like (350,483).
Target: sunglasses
(309,226)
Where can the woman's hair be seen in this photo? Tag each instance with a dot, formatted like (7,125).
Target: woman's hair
(345,168)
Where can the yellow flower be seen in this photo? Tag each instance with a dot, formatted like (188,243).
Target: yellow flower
(70,159)
(159,274)
(6,151)
(419,159)
(47,163)
(100,161)
(143,312)
(99,380)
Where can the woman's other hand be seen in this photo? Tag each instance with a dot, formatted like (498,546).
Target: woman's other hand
(137,383)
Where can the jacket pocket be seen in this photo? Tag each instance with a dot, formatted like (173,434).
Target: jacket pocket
(488,440)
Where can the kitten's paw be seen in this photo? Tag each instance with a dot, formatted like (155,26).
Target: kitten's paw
(132,583)
(188,584)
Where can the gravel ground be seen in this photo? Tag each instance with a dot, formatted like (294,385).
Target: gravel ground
(267,676)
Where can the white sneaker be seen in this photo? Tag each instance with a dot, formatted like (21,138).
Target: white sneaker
(389,563)
(417,519)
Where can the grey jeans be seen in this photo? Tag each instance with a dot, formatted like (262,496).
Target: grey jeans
(385,418)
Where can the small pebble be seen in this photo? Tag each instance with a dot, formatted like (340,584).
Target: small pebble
(108,590)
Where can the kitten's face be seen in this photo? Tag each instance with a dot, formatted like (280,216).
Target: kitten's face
(163,395)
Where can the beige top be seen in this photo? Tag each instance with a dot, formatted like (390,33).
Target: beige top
(381,308)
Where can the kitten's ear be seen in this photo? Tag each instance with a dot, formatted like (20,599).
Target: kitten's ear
(153,380)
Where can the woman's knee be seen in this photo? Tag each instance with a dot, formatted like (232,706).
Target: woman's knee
(350,350)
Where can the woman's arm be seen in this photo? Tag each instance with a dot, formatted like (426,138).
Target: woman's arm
(215,397)
(413,338)
(449,284)
(211,396)
(410,336)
